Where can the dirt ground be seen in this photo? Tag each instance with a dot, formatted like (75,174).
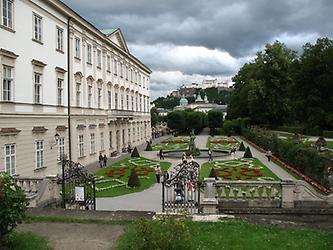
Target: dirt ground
(73,236)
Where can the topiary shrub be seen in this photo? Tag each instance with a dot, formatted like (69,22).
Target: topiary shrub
(248,153)
(135,153)
(133,180)
(13,205)
(149,147)
(241,147)
(212,173)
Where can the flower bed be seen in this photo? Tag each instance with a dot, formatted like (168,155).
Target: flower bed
(173,143)
(293,170)
(222,142)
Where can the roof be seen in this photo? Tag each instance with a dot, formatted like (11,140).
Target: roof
(108,31)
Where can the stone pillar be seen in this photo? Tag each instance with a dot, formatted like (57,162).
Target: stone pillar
(209,202)
(288,187)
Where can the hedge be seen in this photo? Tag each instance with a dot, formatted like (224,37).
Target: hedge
(301,157)
(328,133)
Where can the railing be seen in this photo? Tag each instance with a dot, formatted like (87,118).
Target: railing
(29,185)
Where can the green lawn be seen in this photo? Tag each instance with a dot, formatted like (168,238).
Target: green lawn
(329,144)
(240,169)
(238,235)
(114,178)
(222,142)
(173,143)
(27,241)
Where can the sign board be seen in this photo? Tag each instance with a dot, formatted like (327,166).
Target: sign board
(79,193)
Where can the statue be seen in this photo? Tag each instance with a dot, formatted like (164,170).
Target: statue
(192,138)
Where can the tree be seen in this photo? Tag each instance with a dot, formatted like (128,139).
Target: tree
(241,147)
(154,116)
(248,153)
(133,180)
(176,120)
(13,205)
(215,119)
(135,153)
(149,147)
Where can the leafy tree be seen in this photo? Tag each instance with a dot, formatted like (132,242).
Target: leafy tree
(176,120)
(215,119)
(154,116)
(13,205)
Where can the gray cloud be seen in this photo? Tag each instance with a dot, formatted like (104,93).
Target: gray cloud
(184,35)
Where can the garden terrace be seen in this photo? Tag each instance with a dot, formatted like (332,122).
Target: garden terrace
(173,143)
(249,169)
(112,180)
(222,142)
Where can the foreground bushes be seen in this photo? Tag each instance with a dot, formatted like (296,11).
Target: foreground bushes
(299,156)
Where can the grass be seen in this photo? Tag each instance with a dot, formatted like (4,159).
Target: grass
(27,241)
(142,165)
(173,143)
(235,167)
(242,235)
(329,144)
(225,143)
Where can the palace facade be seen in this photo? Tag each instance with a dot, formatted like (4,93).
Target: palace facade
(67,89)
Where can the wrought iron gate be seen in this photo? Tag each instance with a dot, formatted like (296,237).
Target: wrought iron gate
(78,187)
(181,189)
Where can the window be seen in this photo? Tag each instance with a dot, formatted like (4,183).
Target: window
(99,97)
(122,101)
(136,103)
(38,88)
(99,58)
(77,47)
(121,70)
(89,95)
(92,144)
(37,27)
(126,72)
(115,66)
(7,13)
(116,100)
(10,158)
(60,39)
(109,100)
(123,137)
(60,91)
(7,84)
(138,129)
(133,134)
(81,146)
(108,63)
(110,139)
(132,103)
(39,154)
(89,57)
(61,148)
(78,94)
(127,102)
(140,106)
(102,141)
(129,135)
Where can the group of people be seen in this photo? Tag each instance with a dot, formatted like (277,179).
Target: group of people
(184,160)
(103,160)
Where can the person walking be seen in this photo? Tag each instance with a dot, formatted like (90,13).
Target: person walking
(210,157)
(100,160)
(269,154)
(184,157)
(158,173)
(161,154)
(105,160)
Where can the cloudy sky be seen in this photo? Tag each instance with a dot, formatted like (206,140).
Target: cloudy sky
(186,41)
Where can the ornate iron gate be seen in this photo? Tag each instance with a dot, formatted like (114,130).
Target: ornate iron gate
(78,187)
(181,189)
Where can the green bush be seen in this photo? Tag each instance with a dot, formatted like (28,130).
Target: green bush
(13,205)
(135,153)
(248,153)
(133,180)
(149,147)
(241,147)
(212,173)
(328,134)
(194,152)
(164,234)
(292,129)
(235,126)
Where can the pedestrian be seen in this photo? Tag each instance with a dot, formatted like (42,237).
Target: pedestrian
(210,158)
(161,154)
(269,154)
(158,173)
(233,152)
(100,160)
(184,157)
(191,158)
(105,160)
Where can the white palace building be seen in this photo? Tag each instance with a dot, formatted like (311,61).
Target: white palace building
(67,88)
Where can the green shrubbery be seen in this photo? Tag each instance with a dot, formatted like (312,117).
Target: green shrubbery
(135,153)
(301,157)
(235,126)
(212,173)
(241,147)
(13,204)
(149,147)
(194,152)
(133,180)
(328,134)
(248,153)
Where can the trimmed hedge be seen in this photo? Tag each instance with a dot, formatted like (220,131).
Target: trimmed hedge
(301,157)
(133,180)
(149,147)
(248,153)
(328,133)
(135,153)
(241,147)
(212,173)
